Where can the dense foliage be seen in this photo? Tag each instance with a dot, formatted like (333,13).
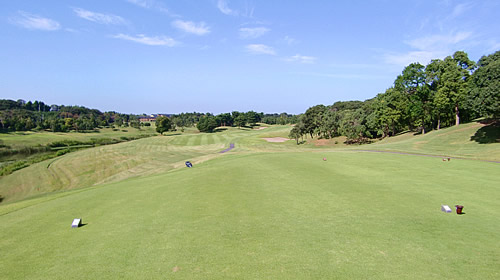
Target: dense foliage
(21,116)
(443,93)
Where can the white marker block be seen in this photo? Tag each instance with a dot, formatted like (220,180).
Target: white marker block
(446,208)
(76,223)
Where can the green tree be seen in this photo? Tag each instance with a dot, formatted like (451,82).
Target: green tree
(240,120)
(252,117)
(412,82)
(295,134)
(486,86)
(312,119)
(207,124)
(454,84)
(163,124)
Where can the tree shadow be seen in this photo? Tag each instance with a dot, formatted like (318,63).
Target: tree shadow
(490,133)
(220,129)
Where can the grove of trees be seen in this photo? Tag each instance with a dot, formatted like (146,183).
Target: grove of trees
(21,116)
(443,93)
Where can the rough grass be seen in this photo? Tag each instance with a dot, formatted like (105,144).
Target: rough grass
(268,216)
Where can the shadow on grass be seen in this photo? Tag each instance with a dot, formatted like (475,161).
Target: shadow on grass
(490,133)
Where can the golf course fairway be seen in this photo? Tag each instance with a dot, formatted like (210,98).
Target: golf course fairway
(281,215)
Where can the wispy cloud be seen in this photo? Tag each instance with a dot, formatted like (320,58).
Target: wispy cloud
(344,76)
(223,7)
(301,59)
(142,3)
(427,48)
(191,27)
(404,59)
(252,33)
(146,40)
(289,40)
(459,10)
(34,22)
(153,4)
(98,17)
(260,49)
(438,42)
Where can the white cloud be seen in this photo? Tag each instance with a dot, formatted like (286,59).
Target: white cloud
(252,33)
(438,42)
(191,27)
(460,9)
(347,76)
(301,59)
(152,4)
(290,41)
(98,17)
(260,49)
(222,5)
(426,48)
(423,57)
(142,3)
(30,21)
(151,41)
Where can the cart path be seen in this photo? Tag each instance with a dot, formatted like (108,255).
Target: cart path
(231,146)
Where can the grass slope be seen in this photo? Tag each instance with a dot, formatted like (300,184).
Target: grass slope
(28,138)
(460,141)
(136,158)
(268,215)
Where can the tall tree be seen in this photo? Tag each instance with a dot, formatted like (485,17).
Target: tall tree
(295,134)
(240,120)
(412,83)
(252,117)
(312,119)
(163,124)
(486,86)
(454,80)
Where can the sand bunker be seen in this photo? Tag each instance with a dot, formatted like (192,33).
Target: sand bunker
(276,139)
(260,128)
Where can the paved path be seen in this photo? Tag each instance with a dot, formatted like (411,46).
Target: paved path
(231,146)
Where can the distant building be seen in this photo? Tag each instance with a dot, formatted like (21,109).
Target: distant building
(152,117)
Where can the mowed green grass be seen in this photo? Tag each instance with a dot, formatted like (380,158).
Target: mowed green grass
(282,215)
(455,141)
(29,138)
(143,157)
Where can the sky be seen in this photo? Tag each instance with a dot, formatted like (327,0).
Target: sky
(272,56)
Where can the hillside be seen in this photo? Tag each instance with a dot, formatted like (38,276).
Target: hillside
(273,210)
(144,157)
(471,141)
(117,162)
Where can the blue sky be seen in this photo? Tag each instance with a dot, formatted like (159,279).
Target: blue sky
(165,56)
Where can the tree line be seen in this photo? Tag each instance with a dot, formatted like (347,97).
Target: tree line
(207,122)
(441,94)
(22,116)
